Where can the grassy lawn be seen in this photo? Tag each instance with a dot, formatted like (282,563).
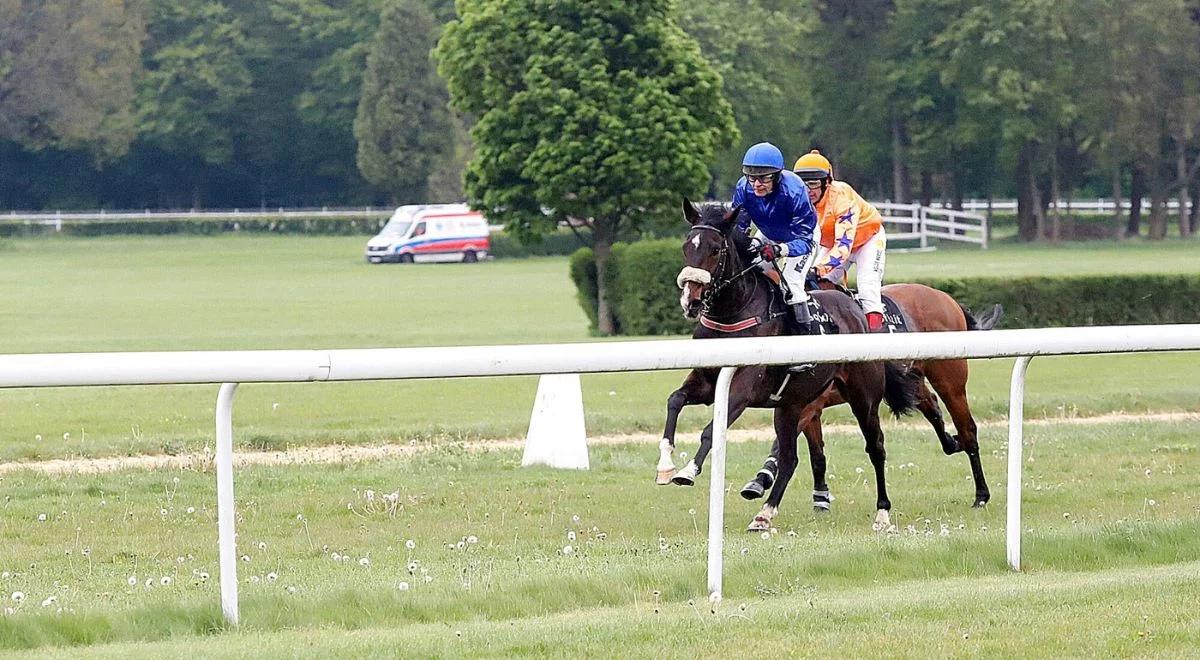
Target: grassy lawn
(260,292)
(1111,517)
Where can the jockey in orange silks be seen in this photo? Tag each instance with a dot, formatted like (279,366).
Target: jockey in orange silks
(851,232)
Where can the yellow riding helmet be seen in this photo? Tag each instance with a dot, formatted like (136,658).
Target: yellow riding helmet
(813,165)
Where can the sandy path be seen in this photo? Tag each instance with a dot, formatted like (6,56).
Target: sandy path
(353,453)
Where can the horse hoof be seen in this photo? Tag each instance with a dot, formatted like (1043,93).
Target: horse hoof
(759,524)
(683,480)
(980,502)
(752,490)
(821,507)
(664,477)
(883,521)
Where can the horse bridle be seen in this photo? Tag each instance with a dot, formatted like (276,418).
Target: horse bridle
(717,283)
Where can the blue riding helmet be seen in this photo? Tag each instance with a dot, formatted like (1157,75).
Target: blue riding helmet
(762,158)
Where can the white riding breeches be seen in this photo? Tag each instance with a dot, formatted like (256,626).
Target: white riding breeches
(794,270)
(871,258)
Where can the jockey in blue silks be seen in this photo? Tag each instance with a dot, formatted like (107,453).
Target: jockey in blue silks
(776,200)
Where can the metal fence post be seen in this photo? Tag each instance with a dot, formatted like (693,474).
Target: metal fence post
(1016,451)
(716,490)
(226,511)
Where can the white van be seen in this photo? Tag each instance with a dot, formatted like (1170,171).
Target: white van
(431,232)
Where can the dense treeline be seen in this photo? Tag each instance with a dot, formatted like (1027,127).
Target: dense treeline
(252,103)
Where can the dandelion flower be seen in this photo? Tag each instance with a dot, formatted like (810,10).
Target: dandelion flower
(403,586)
(412,567)
(335,556)
(272,576)
(410,544)
(428,578)
(162,512)
(132,580)
(191,510)
(203,576)
(472,539)
(570,536)
(18,596)
(262,545)
(41,517)
(50,600)
(575,519)
(766,536)
(254,578)
(568,549)
(291,590)
(1151,502)
(245,557)
(165,581)
(363,561)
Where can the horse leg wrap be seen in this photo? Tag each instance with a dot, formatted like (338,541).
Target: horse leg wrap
(686,476)
(822,499)
(767,474)
(666,467)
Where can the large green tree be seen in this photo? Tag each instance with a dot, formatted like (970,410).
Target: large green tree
(595,111)
(404,129)
(67,70)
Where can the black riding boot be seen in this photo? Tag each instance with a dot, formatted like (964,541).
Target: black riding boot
(804,326)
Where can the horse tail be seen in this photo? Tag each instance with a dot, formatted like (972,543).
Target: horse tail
(901,389)
(985,321)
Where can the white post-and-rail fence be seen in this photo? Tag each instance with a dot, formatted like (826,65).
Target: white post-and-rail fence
(232,367)
(913,222)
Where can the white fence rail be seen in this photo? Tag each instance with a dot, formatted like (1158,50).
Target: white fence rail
(921,223)
(232,367)
(1089,206)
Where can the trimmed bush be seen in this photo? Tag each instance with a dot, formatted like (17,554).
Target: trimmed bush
(560,243)
(325,226)
(646,300)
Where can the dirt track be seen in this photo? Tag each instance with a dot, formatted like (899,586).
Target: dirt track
(353,453)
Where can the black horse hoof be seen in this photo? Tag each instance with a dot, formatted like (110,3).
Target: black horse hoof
(980,502)
(753,490)
(683,481)
(950,446)
(820,507)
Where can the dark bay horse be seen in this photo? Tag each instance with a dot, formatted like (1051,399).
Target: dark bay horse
(733,297)
(925,310)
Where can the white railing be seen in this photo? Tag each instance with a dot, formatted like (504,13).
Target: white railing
(233,367)
(921,223)
(1089,206)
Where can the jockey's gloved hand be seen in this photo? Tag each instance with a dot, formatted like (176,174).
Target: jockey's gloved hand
(771,251)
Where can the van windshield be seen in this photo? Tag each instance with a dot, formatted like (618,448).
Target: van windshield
(396,228)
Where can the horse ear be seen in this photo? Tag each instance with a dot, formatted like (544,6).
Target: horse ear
(690,212)
(732,216)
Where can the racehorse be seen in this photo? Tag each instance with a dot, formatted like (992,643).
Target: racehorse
(924,309)
(733,297)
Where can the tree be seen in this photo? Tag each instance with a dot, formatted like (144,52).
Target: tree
(67,71)
(602,111)
(403,127)
(196,75)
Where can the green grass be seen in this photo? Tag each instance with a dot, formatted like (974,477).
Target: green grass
(261,292)
(1110,513)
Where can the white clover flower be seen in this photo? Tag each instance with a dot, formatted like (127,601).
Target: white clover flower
(363,561)
(335,556)
(41,517)
(691,512)
(132,580)
(203,576)
(50,600)
(272,576)
(291,590)
(191,510)
(428,578)
(262,545)
(245,557)
(254,578)
(165,580)
(568,550)
(1151,502)
(410,544)
(472,539)
(570,536)
(412,567)
(299,517)
(162,512)
(67,436)
(662,547)
(18,596)
(459,545)
(149,582)
(5,575)
(859,470)
(601,536)
(403,586)
(38,437)
(575,519)
(766,536)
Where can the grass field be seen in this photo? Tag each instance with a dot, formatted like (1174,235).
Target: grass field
(1111,514)
(1112,511)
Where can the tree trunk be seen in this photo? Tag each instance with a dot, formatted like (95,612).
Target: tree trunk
(1195,194)
(1117,232)
(1181,174)
(603,232)
(1026,221)
(1055,214)
(901,191)
(956,193)
(1137,190)
(1158,204)
(926,188)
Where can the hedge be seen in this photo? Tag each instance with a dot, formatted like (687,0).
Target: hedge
(645,299)
(326,226)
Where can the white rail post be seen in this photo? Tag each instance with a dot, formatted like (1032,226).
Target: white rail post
(1016,447)
(716,490)
(226,539)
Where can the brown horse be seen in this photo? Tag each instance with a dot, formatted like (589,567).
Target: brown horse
(733,297)
(925,310)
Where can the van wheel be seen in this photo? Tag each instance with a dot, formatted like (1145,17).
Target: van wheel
(406,258)
(469,257)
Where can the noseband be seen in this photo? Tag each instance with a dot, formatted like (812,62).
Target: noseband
(717,282)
